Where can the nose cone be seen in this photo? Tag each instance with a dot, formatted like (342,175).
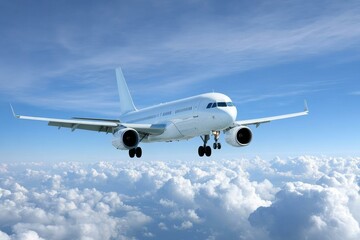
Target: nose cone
(229,115)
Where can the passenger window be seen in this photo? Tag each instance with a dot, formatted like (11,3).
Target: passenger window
(209,105)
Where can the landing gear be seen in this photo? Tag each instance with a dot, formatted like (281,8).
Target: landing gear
(205,150)
(135,152)
(132,152)
(201,151)
(208,151)
(216,145)
(138,152)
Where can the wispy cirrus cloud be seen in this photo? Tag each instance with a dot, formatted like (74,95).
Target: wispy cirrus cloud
(356,93)
(191,48)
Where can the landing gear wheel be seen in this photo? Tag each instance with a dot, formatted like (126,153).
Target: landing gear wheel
(208,151)
(201,151)
(138,152)
(216,145)
(132,153)
(204,149)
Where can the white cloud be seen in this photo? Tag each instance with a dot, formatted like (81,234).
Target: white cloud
(304,197)
(28,235)
(4,236)
(306,211)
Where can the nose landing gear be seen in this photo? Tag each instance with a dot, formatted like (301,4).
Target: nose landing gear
(216,144)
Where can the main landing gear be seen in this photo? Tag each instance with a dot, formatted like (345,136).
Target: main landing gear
(135,152)
(206,150)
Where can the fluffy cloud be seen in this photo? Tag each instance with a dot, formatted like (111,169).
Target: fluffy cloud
(299,198)
(305,211)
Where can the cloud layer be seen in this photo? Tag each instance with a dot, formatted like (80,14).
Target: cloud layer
(299,198)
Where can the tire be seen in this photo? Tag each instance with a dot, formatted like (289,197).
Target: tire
(208,151)
(132,153)
(219,145)
(138,152)
(201,151)
(215,145)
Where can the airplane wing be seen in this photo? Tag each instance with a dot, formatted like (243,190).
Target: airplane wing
(95,124)
(259,121)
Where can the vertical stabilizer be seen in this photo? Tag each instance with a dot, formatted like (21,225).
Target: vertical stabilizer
(126,102)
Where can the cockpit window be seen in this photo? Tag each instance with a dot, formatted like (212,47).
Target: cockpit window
(230,104)
(221,104)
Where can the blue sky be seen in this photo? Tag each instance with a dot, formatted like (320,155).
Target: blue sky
(58,59)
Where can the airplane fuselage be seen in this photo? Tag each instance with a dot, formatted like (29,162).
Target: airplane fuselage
(187,118)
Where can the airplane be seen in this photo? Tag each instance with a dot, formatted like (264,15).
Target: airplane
(202,115)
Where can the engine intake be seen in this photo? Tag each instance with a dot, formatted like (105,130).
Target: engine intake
(126,138)
(238,136)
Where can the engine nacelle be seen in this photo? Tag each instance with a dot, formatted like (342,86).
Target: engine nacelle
(238,136)
(126,138)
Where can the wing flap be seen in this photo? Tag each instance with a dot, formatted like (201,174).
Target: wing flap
(97,119)
(88,127)
(150,129)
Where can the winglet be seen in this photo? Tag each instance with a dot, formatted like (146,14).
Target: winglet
(306,106)
(13,112)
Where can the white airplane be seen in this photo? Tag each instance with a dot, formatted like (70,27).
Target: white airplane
(202,115)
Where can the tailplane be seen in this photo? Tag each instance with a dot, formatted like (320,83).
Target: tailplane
(126,102)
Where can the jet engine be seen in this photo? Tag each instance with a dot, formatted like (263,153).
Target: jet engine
(238,136)
(126,138)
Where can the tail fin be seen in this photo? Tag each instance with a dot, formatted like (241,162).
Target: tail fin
(126,102)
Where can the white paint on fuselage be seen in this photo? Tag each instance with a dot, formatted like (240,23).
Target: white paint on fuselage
(185,118)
